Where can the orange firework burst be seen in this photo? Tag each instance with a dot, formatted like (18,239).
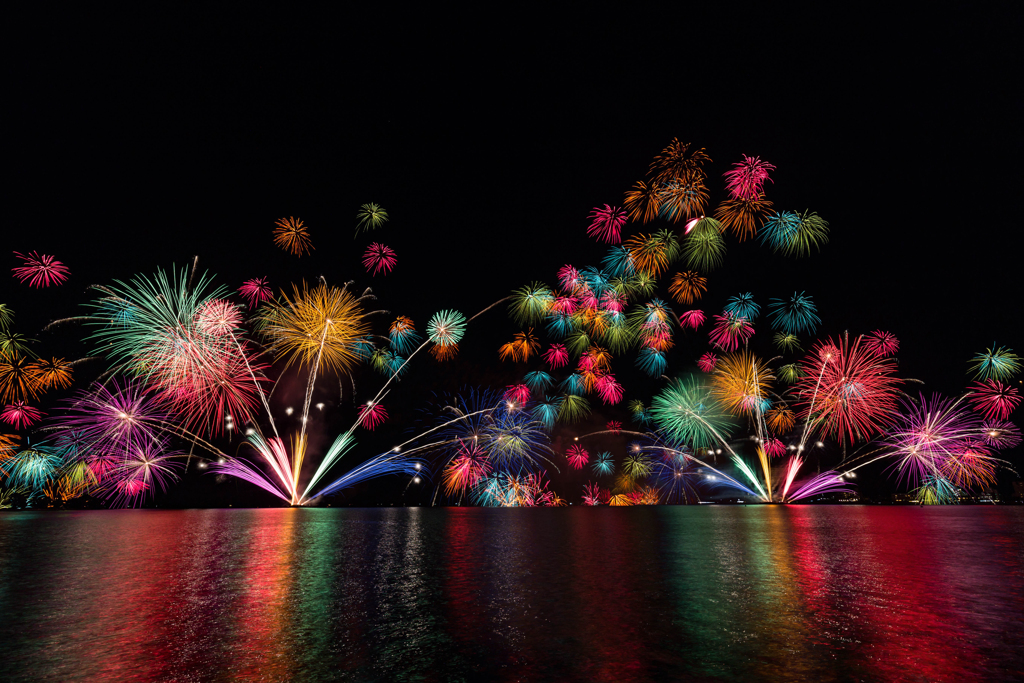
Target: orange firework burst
(677,161)
(687,287)
(292,236)
(53,373)
(641,203)
(444,352)
(522,346)
(682,197)
(741,381)
(652,254)
(780,419)
(743,216)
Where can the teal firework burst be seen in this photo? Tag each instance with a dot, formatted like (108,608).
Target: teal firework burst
(743,306)
(797,314)
(603,463)
(1000,363)
(689,414)
(446,328)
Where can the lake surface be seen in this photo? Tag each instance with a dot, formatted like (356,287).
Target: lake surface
(804,593)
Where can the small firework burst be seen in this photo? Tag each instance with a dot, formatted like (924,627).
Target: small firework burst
(370,217)
(881,342)
(993,399)
(707,362)
(292,236)
(20,415)
(255,291)
(747,178)
(40,270)
(687,287)
(1000,363)
(606,224)
(379,257)
(371,415)
(577,456)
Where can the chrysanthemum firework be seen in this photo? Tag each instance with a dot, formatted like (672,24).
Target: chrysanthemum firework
(730,331)
(446,328)
(740,382)
(577,456)
(53,373)
(703,248)
(795,234)
(517,395)
(993,399)
(881,342)
(292,236)
(641,203)
(688,413)
(742,306)
(677,160)
(613,426)
(682,197)
(40,270)
(786,342)
(557,356)
(531,304)
(746,179)
(379,257)
(370,217)
(255,291)
(795,315)
(707,362)
(591,494)
(20,415)
(848,391)
(606,224)
(692,319)
(687,287)
(521,348)
(743,216)
(573,408)
(1000,363)
(371,415)
(402,335)
(780,419)
(653,253)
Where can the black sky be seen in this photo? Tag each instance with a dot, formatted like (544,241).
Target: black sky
(139,140)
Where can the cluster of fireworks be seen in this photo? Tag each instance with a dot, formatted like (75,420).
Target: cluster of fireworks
(189,363)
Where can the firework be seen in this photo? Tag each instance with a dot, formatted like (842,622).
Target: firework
(652,253)
(603,463)
(531,304)
(619,262)
(402,335)
(522,346)
(6,317)
(704,248)
(847,391)
(789,373)
(652,362)
(378,257)
(557,356)
(517,395)
(999,364)
(743,216)
(467,469)
(692,319)
(688,412)
(573,408)
(730,331)
(795,234)
(1000,434)
(780,419)
(707,362)
(993,399)
(446,328)
(20,415)
(682,197)
(746,179)
(881,342)
(741,382)
(637,466)
(742,306)
(371,415)
(577,456)
(797,314)
(641,203)
(606,224)
(32,467)
(786,342)
(613,426)
(19,378)
(678,161)
(256,291)
(609,390)
(687,287)
(40,270)
(292,236)
(370,217)
(774,448)
(591,494)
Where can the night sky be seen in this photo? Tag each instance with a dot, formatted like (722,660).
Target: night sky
(138,142)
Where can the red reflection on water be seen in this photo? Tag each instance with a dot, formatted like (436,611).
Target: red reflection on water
(264,620)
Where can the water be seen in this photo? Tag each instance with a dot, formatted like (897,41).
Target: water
(605,594)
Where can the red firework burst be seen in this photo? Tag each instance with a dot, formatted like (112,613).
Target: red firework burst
(606,224)
(993,399)
(40,270)
(371,415)
(379,257)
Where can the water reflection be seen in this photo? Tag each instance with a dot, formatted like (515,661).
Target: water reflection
(767,592)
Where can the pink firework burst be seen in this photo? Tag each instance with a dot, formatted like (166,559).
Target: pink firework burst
(882,343)
(379,257)
(606,224)
(730,331)
(256,291)
(707,362)
(371,415)
(20,415)
(556,356)
(569,278)
(609,390)
(40,270)
(518,394)
(613,426)
(692,319)
(993,399)
(774,448)
(218,317)
(577,456)
(591,494)
(746,179)
(613,302)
